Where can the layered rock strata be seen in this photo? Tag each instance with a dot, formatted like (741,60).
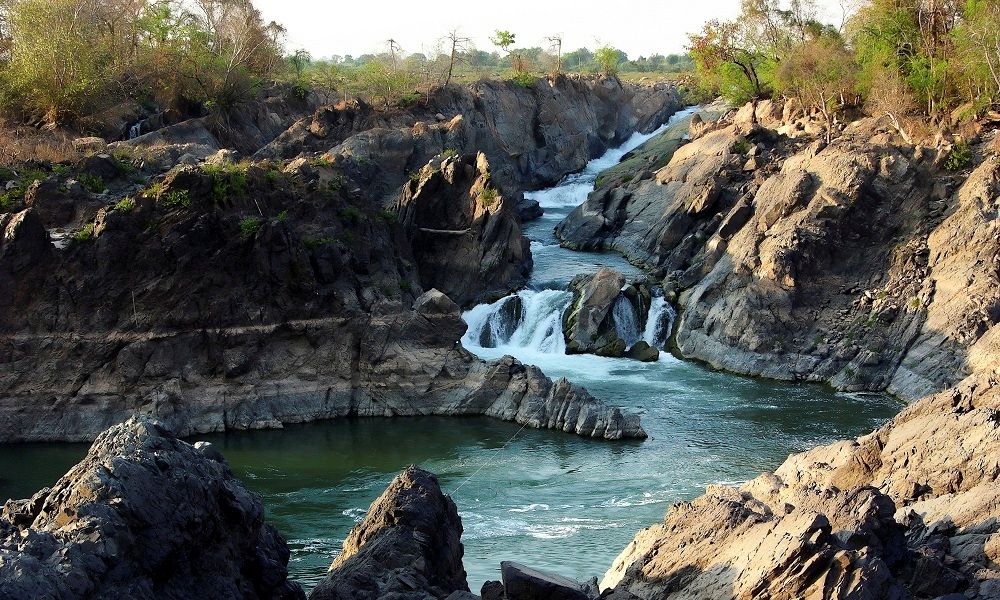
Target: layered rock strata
(143,516)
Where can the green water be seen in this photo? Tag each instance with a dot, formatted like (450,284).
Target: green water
(549,499)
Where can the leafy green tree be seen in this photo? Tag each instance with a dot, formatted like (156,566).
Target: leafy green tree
(505,40)
(977,40)
(608,58)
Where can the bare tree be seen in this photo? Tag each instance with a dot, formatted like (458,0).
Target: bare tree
(458,43)
(556,41)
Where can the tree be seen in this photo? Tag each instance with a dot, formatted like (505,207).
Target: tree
(457,44)
(504,40)
(977,41)
(726,56)
(299,60)
(820,72)
(62,59)
(608,58)
(556,41)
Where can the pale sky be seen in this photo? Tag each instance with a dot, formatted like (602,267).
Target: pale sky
(638,27)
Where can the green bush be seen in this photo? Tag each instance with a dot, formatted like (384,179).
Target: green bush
(488,196)
(177,199)
(126,204)
(740,146)
(959,157)
(351,214)
(86,234)
(249,227)
(62,169)
(389,216)
(93,183)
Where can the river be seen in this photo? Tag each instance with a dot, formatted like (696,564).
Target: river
(548,499)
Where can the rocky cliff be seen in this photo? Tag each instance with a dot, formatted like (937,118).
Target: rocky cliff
(167,279)
(861,263)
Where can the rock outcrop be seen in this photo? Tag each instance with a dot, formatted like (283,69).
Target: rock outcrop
(907,511)
(143,516)
(532,136)
(856,263)
(465,234)
(225,294)
(408,546)
(588,325)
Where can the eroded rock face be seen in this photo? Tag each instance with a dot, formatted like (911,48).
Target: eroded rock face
(408,546)
(855,263)
(465,234)
(907,511)
(144,515)
(532,136)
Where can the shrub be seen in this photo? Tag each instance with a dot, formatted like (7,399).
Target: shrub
(959,157)
(93,183)
(62,169)
(86,234)
(488,196)
(389,216)
(449,152)
(249,227)
(351,214)
(126,204)
(740,146)
(177,199)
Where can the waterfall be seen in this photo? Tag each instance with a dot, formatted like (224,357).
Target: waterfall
(135,130)
(659,323)
(626,321)
(529,320)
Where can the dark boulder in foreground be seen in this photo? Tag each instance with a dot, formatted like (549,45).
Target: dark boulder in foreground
(143,516)
(409,546)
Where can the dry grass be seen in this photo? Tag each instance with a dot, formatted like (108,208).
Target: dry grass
(19,145)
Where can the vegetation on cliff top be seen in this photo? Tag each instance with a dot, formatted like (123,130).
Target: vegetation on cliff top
(927,59)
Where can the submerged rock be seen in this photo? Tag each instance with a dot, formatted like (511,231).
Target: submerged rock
(143,516)
(408,546)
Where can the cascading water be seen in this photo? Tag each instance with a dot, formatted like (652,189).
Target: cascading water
(626,321)
(534,326)
(135,130)
(659,323)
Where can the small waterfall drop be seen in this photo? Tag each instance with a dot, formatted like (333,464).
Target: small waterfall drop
(529,320)
(659,323)
(135,130)
(626,321)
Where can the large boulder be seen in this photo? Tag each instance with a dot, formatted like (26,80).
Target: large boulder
(144,515)
(408,546)
(588,325)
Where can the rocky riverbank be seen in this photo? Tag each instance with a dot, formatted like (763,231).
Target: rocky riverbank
(862,263)
(161,276)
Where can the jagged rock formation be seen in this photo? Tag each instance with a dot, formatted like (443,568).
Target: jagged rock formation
(465,234)
(143,516)
(532,136)
(224,295)
(907,511)
(850,263)
(408,546)
(587,325)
